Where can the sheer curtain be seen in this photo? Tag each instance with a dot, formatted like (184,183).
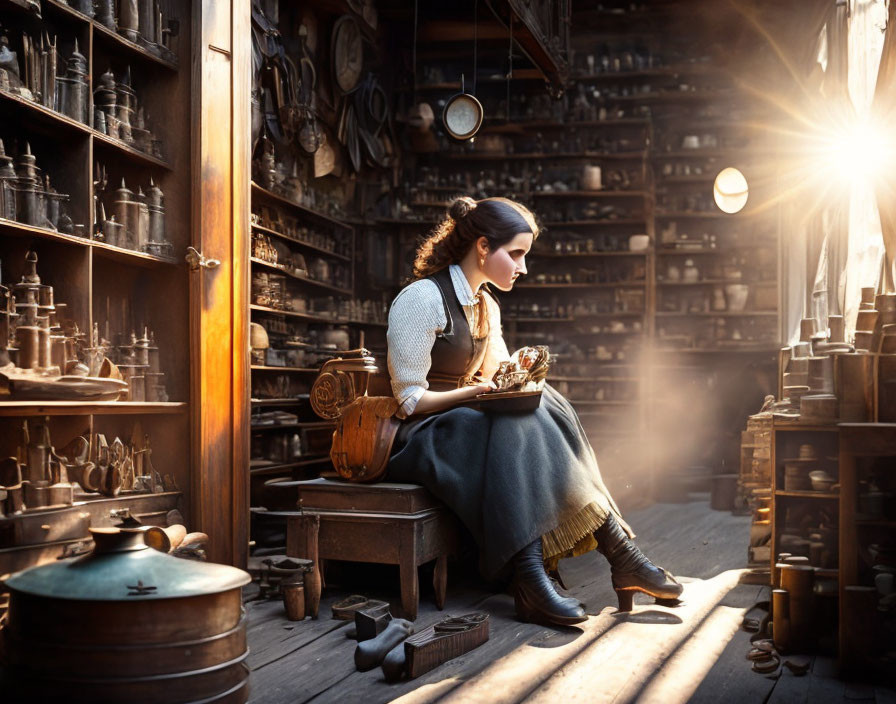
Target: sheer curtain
(804,231)
(865,251)
(836,248)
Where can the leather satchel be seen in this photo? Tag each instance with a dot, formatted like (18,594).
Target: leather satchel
(365,425)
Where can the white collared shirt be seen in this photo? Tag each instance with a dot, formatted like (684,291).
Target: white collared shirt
(417,315)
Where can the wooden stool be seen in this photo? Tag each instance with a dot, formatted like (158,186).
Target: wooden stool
(385,523)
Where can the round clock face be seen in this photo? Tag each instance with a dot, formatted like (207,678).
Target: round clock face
(348,54)
(463,116)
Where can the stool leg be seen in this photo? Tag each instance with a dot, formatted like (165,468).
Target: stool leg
(302,542)
(440,580)
(410,587)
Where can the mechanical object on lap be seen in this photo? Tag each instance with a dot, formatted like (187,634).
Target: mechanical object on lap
(526,370)
(365,425)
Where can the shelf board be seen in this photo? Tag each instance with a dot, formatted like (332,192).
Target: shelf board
(258,402)
(44,114)
(303,279)
(136,50)
(257,189)
(653,72)
(565,255)
(109,251)
(20,229)
(682,180)
(298,370)
(277,468)
(306,459)
(712,350)
(789,425)
(367,323)
(687,215)
(300,243)
(125,148)
(710,282)
(703,153)
(88,408)
(693,96)
(575,402)
(103,249)
(600,379)
(57,119)
(609,193)
(311,317)
(404,221)
(102,31)
(605,333)
(807,494)
(721,314)
(520,126)
(683,252)
(577,318)
(610,284)
(508,319)
(274,426)
(595,223)
(489,156)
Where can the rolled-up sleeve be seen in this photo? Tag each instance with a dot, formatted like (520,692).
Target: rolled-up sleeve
(415,318)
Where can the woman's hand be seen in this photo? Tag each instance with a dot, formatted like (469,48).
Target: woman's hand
(482,387)
(433,401)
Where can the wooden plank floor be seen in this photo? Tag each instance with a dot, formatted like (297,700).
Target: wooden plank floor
(695,652)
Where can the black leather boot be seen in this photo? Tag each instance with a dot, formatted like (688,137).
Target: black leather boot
(534,595)
(630,569)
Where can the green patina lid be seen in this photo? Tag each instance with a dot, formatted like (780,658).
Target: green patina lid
(123,568)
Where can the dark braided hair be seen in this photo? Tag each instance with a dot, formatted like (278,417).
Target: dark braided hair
(499,220)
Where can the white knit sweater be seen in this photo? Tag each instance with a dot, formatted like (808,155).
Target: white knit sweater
(417,315)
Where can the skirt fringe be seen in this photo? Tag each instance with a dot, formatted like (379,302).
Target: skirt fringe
(567,535)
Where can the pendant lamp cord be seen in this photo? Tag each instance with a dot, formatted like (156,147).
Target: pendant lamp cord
(414,56)
(475,40)
(509,66)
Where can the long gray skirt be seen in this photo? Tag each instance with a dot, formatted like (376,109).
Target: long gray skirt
(509,477)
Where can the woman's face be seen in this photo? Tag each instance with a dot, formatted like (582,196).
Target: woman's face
(503,265)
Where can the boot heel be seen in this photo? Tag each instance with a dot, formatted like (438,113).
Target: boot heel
(626,599)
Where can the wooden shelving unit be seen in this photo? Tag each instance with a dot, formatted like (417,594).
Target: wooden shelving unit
(96,280)
(786,441)
(867,451)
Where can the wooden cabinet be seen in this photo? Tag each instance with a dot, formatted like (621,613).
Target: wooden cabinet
(114,281)
(801,516)
(805,521)
(867,544)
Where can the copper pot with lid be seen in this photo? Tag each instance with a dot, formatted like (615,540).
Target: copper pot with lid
(127,623)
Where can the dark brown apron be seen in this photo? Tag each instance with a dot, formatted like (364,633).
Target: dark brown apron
(456,355)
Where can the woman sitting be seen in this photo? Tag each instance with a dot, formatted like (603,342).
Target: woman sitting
(526,485)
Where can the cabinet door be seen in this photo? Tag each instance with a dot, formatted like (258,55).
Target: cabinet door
(219,293)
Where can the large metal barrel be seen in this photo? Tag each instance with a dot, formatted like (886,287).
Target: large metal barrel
(126,623)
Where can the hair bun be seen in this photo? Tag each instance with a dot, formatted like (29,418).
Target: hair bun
(460,207)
